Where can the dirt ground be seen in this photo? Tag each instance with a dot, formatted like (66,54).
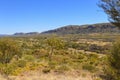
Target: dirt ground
(36,75)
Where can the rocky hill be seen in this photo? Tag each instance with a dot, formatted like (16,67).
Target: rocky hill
(85,29)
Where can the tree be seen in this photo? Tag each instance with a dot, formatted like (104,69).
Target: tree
(54,43)
(8,49)
(112,9)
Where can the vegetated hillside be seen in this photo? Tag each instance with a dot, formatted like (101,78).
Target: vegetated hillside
(84,29)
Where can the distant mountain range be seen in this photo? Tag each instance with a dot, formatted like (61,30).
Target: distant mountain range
(30,33)
(85,29)
(76,29)
(2,35)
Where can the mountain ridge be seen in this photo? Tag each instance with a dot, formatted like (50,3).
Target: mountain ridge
(76,29)
(84,29)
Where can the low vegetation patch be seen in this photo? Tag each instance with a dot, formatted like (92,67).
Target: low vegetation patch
(49,54)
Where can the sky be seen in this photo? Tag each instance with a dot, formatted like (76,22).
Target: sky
(41,15)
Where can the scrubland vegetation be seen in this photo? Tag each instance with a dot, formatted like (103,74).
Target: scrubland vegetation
(80,54)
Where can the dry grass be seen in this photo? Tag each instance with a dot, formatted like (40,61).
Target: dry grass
(91,41)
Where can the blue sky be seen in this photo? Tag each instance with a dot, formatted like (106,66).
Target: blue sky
(42,15)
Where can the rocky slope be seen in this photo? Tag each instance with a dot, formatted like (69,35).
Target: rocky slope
(85,29)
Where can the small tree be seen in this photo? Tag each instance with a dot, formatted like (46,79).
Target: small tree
(112,9)
(54,43)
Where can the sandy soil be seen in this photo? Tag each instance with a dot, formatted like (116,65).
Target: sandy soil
(36,75)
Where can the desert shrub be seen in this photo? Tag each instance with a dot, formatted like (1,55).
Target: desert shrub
(54,44)
(115,56)
(21,63)
(89,67)
(75,65)
(60,58)
(73,45)
(53,64)
(93,59)
(81,56)
(12,68)
(31,66)
(114,62)
(62,68)
(2,67)
(27,51)
(83,46)
(28,58)
(46,70)
(93,56)
(61,52)
(9,68)
(8,49)
(17,71)
(38,53)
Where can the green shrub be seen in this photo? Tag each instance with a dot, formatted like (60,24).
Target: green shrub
(21,63)
(54,43)
(53,64)
(38,53)
(114,62)
(46,70)
(9,68)
(8,49)
(89,67)
(28,58)
(62,68)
